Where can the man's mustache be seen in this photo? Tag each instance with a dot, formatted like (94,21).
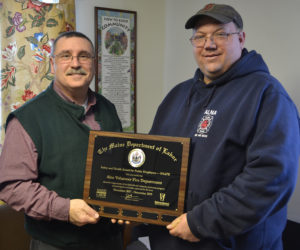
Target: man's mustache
(76,71)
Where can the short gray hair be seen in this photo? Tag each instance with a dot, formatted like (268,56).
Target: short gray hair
(69,34)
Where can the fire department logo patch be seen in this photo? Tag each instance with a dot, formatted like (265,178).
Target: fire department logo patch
(205,123)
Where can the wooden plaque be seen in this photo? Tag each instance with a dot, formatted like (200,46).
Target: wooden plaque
(136,177)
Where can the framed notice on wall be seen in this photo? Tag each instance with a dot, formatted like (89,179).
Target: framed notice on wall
(115,78)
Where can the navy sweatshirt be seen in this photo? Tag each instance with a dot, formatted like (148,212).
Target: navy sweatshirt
(243,160)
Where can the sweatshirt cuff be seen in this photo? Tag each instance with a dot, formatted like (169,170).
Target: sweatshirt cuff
(60,210)
(192,222)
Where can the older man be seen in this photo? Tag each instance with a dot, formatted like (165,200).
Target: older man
(43,160)
(245,142)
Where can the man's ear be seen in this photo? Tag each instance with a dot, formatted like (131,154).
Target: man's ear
(242,37)
(52,64)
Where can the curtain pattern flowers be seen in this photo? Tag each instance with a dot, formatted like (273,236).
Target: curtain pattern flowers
(27,31)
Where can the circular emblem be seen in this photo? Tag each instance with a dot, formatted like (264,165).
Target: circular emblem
(136,157)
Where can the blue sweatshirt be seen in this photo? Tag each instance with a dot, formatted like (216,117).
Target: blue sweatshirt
(244,154)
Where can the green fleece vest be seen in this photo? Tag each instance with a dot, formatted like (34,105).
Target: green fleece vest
(61,140)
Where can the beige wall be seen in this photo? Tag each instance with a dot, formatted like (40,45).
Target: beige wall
(272,29)
(150,49)
(164,54)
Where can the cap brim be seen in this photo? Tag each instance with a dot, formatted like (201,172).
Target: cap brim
(194,19)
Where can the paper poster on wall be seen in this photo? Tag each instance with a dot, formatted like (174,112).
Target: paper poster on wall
(116,61)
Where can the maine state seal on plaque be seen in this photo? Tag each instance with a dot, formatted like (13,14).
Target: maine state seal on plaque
(136,157)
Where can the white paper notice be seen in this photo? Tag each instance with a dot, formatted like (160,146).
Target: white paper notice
(116,65)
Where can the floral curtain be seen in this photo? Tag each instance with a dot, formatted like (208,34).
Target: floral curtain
(27,30)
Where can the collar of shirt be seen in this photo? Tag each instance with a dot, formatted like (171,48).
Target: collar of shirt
(91,100)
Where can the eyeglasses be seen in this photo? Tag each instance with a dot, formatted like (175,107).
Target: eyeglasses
(82,58)
(199,41)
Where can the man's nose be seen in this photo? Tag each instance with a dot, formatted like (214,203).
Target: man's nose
(209,42)
(75,62)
